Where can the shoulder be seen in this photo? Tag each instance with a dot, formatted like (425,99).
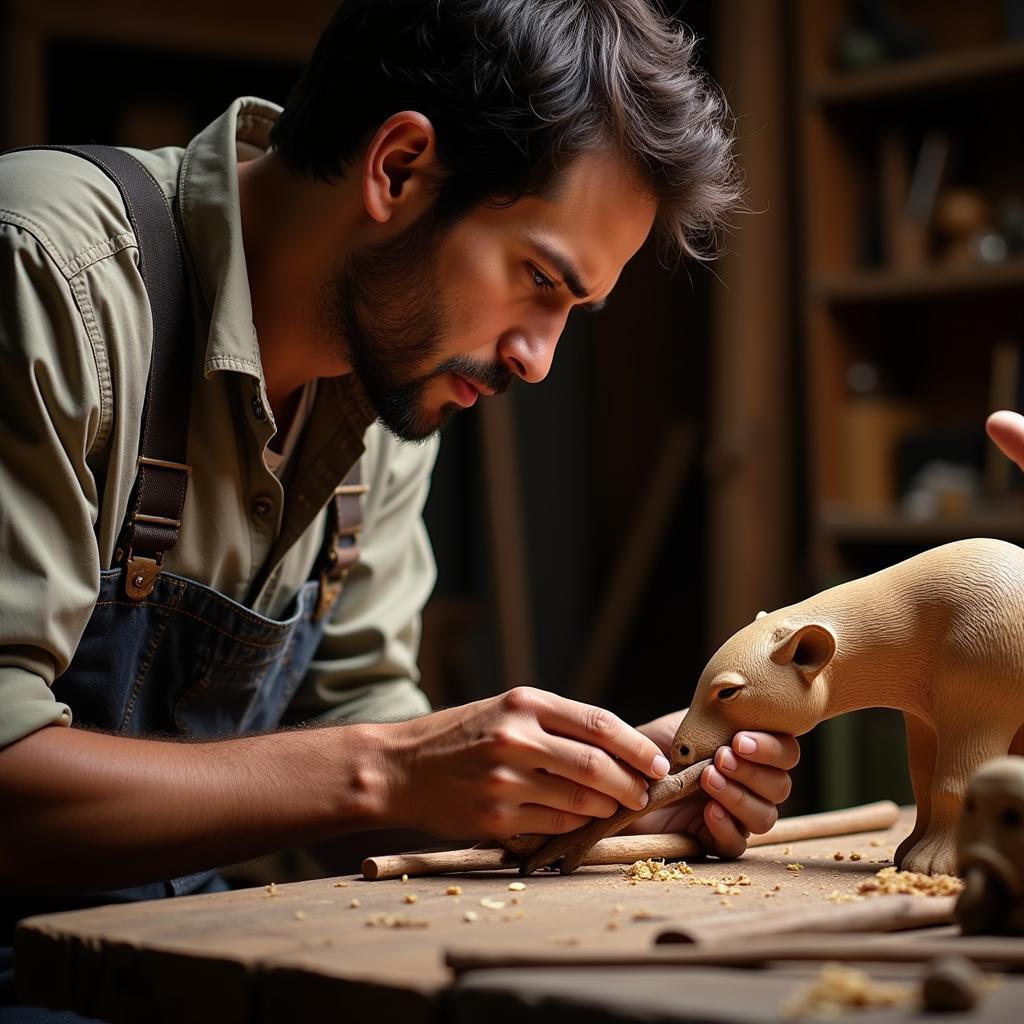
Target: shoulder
(71,208)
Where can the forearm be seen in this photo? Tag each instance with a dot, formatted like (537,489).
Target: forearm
(92,810)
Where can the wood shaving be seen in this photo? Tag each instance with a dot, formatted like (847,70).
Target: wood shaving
(838,989)
(890,880)
(272,889)
(453,890)
(516,886)
(835,896)
(354,903)
(488,904)
(643,914)
(657,871)
(395,921)
(876,842)
(794,867)
(838,856)
(787,850)
(470,916)
(405,878)
(409,897)
(855,855)
(341,885)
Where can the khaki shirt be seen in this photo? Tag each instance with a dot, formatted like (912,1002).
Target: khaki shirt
(75,343)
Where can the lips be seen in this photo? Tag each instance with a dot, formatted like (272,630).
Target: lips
(466,392)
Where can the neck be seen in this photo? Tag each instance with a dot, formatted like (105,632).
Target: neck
(294,231)
(857,684)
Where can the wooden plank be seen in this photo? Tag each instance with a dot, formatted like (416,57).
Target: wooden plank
(251,955)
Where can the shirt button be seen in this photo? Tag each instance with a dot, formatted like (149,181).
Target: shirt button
(262,506)
(257,408)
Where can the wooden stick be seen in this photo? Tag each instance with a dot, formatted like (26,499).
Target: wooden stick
(878,914)
(626,849)
(983,949)
(572,847)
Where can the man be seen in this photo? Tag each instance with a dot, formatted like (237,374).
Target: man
(446,184)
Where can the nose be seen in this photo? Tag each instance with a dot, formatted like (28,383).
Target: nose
(529,357)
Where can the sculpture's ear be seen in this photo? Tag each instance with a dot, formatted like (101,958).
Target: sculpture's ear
(759,616)
(809,649)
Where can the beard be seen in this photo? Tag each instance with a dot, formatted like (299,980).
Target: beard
(383,312)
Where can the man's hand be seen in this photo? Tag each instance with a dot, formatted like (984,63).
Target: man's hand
(1007,430)
(740,790)
(524,761)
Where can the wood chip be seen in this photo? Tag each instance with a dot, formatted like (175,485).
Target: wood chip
(354,903)
(341,885)
(488,904)
(890,880)
(409,897)
(453,890)
(516,886)
(470,916)
(838,988)
(272,889)
(794,867)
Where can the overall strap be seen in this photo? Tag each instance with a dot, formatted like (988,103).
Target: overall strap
(154,510)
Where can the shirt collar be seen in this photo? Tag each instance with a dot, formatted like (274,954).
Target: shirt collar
(212,223)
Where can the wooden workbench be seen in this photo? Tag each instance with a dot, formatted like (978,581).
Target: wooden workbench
(305,953)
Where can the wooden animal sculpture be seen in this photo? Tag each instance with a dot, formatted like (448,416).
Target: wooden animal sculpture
(991,850)
(939,636)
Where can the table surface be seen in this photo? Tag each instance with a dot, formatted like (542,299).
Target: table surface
(310,948)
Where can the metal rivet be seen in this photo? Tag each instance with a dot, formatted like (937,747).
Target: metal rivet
(139,580)
(262,505)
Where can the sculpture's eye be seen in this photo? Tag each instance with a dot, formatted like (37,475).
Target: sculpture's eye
(728,693)
(1012,817)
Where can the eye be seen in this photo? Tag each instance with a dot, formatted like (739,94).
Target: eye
(728,693)
(541,280)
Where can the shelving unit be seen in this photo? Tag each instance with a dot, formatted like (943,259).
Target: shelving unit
(927,332)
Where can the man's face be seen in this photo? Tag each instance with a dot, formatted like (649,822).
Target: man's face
(433,318)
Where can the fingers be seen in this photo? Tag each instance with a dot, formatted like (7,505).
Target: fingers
(590,725)
(561,794)
(771,784)
(767,748)
(587,773)
(1007,430)
(726,838)
(751,811)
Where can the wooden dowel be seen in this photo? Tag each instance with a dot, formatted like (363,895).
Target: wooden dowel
(626,849)
(981,949)
(879,914)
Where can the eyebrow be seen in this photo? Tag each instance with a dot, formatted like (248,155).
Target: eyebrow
(569,274)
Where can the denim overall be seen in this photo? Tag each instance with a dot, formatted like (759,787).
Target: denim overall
(186,661)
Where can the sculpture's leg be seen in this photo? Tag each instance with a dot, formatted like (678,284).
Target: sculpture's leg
(964,747)
(921,761)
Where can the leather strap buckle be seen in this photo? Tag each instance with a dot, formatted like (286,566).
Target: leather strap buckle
(140,575)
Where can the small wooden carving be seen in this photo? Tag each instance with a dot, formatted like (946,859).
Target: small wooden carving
(570,848)
(991,850)
(939,636)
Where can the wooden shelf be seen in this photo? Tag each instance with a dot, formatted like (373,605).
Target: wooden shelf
(846,527)
(929,282)
(924,76)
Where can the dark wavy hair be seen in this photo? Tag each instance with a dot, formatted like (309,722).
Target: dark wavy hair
(516,90)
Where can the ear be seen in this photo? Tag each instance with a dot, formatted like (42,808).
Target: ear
(809,649)
(400,168)
(760,615)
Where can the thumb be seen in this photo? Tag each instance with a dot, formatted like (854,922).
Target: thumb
(1007,430)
